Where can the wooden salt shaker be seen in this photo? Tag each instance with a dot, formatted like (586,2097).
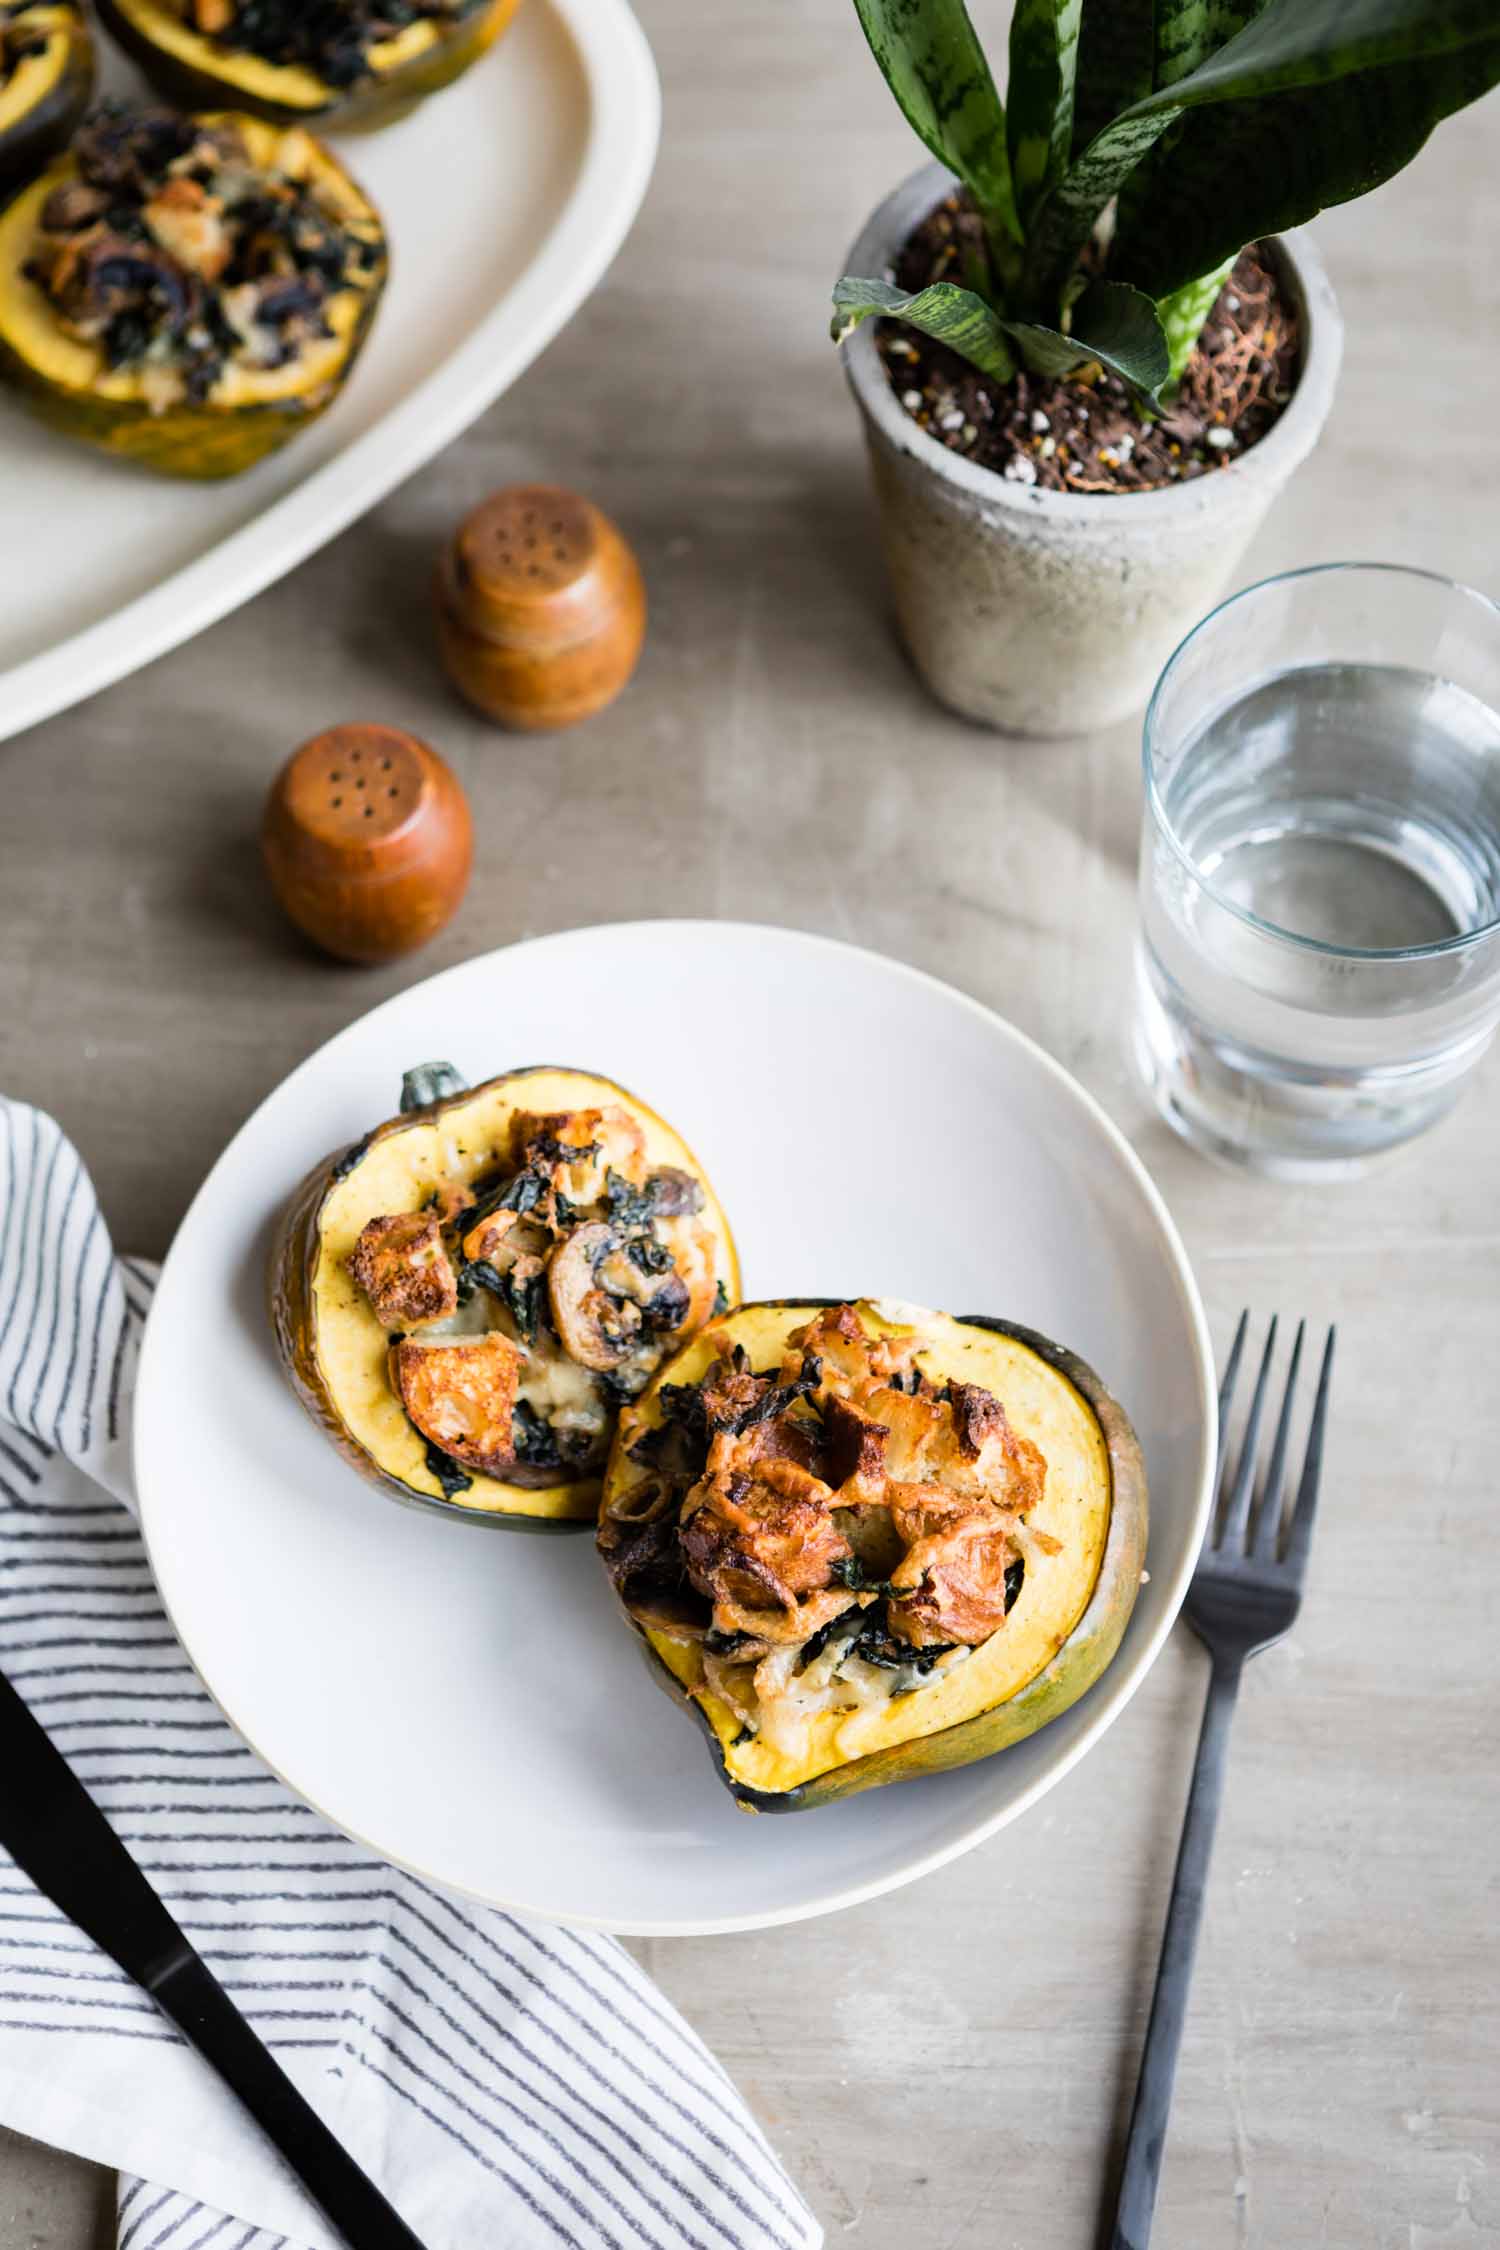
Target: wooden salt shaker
(541,608)
(368,842)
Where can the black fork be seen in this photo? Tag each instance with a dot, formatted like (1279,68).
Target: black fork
(1245,1594)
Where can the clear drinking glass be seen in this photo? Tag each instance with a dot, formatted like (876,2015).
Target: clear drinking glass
(1319,962)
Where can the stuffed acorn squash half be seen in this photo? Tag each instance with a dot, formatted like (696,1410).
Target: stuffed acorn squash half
(188,292)
(464,1299)
(865,1542)
(46,83)
(346,63)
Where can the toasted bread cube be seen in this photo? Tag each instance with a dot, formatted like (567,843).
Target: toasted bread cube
(461,1393)
(404,1270)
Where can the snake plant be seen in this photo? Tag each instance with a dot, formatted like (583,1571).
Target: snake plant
(1144,144)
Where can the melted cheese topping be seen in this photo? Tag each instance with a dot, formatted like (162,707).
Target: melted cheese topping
(787,1703)
(561,1391)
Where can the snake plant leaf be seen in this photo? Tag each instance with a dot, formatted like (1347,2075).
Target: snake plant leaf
(1116,64)
(1254,168)
(1290,45)
(1183,312)
(935,67)
(1039,96)
(1310,42)
(1066,216)
(1189,31)
(952,316)
(1111,323)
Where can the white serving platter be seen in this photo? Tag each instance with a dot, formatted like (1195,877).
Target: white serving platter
(505,199)
(470,1702)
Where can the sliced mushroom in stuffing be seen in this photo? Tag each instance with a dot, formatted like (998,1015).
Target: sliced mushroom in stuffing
(587,1265)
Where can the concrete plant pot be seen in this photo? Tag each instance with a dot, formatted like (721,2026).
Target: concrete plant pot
(1051,613)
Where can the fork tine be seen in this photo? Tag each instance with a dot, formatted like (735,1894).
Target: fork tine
(1236,1513)
(1268,1523)
(1299,1538)
(1226,1394)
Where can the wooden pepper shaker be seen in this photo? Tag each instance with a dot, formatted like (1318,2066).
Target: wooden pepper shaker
(541,608)
(368,842)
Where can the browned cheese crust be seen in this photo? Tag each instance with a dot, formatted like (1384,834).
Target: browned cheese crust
(844,1487)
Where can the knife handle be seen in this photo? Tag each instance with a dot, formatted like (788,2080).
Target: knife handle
(56,1833)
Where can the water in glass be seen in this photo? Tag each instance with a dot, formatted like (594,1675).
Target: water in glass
(1323,838)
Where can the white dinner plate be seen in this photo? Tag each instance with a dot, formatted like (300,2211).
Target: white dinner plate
(505,198)
(469,1702)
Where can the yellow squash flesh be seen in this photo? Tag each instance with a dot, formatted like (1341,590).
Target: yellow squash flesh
(1064,1626)
(46,94)
(334,1348)
(250,411)
(193,70)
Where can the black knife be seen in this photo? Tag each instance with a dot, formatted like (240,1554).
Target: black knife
(53,1829)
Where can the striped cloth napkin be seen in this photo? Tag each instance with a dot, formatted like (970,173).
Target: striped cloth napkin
(506,2083)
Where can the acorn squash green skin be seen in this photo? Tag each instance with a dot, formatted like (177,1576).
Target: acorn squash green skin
(1077,1664)
(294,1263)
(30,144)
(195,443)
(361,108)
(203,443)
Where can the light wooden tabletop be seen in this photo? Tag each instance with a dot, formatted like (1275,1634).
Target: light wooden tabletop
(953,2064)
